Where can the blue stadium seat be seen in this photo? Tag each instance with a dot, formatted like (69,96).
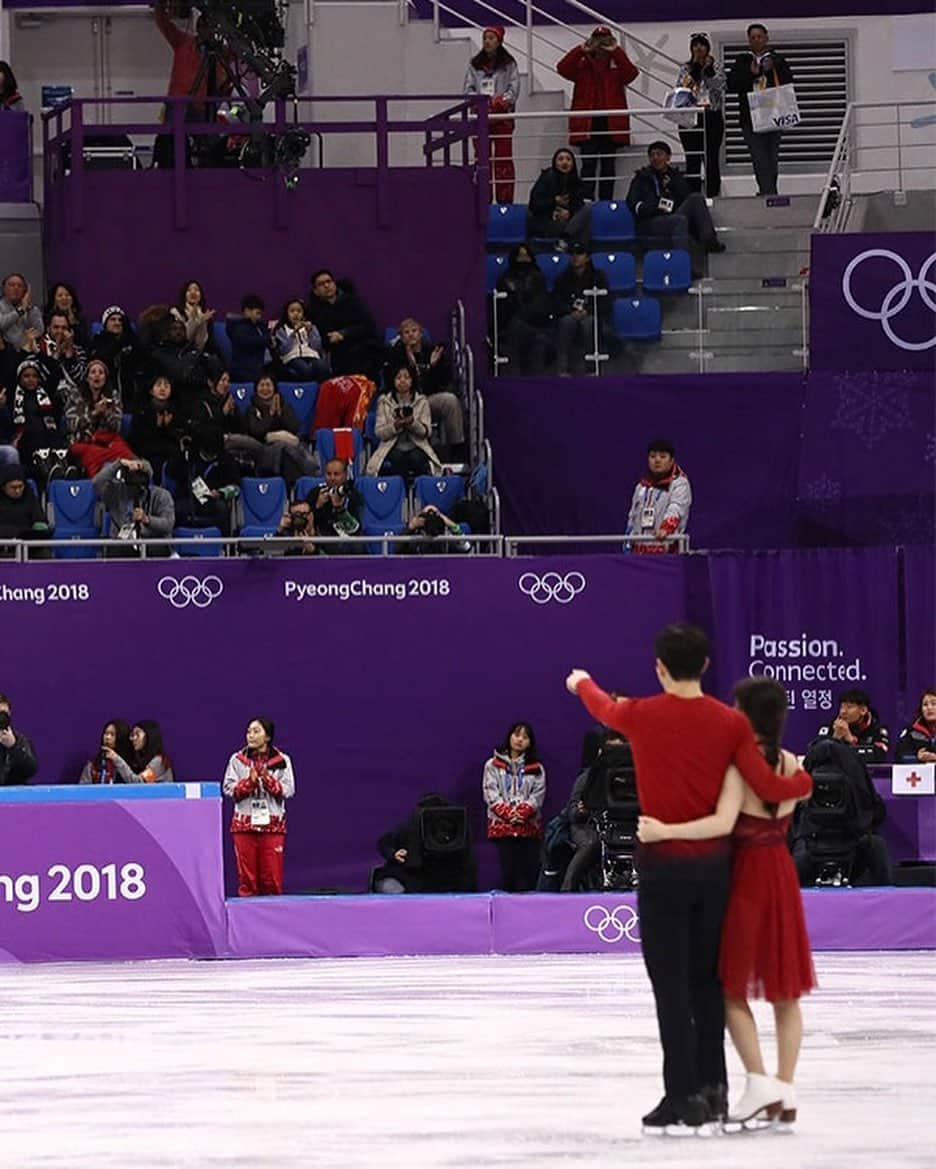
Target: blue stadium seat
(551,264)
(74,515)
(126,421)
(302,396)
(443,491)
(263,502)
(620,269)
(243,394)
(612,222)
(637,318)
(222,342)
(325,445)
(507,223)
(665,272)
(306,485)
(203,548)
(496,267)
(384,499)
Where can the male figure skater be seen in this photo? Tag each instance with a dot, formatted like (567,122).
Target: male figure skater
(683,742)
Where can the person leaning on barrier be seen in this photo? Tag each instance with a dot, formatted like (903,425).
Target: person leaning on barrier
(575,309)
(858,726)
(429,852)
(137,509)
(661,501)
(917,743)
(18,762)
(665,207)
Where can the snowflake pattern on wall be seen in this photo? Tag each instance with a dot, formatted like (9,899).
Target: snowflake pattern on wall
(823,493)
(910,524)
(870,405)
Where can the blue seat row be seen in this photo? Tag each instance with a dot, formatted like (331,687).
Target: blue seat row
(611,222)
(664,272)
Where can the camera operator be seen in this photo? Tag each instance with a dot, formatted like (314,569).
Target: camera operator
(299,521)
(433,859)
(338,504)
(18,763)
(613,755)
(432,525)
(137,510)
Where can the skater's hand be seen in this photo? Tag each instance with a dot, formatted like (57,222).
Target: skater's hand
(649,831)
(574,679)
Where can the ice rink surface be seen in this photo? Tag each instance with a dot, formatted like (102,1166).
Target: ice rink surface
(461,1063)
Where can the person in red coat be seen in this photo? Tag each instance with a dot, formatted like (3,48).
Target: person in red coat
(601,72)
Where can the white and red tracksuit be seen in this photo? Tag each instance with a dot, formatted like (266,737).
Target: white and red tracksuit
(259,785)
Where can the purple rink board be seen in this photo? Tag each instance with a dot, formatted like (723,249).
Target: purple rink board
(91,878)
(540,923)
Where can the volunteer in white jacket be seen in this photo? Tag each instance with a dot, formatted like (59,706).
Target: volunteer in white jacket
(662,499)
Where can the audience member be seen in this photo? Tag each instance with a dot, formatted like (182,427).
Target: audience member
(8,452)
(299,345)
(216,406)
(403,426)
(197,319)
(298,521)
(92,404)
(36,414)
(175,358)
(18,762)
(493,73)
(20,320)
(600,71)
(207,481)
(58,343)
(9,95)
(704,80)
(575,309)
(117,345)
(251,343)
(514,787)
(759,68)
(664,207)
(337,504)
(661,501)
(917,743)
(137,509)
(858,726)
(345,324)
(419,859)
(104,445)
(441,535)
(149,761)
(102,769)
(557,208)
(21,514)
(272,422)
(157,428)
(523,315)
(63,298)
(259,778)
(432,375)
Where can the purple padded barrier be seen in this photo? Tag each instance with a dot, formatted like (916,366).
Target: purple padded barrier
(15,161)
(910,827)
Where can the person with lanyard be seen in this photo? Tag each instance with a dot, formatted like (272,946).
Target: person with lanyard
(493,74)
(103,769)
(759,68)
(661,502)
(514,787)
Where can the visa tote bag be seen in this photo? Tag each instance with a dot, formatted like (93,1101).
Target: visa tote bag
(773,108)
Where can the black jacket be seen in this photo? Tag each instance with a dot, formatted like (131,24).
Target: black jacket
(430,379)
(543,199)
(527,296)
(326,515)
(648,187)
(250,342)
(18,764)
(18,516)
(872,741)
(741,81)
(570,288)
(454,873)
(124,358)
(917,737)
(350,316)
(829,754)
(260,420)
(183,365)
(156,443)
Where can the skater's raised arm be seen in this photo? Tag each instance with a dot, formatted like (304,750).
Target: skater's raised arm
(720,823)
(610,712)
(761,777)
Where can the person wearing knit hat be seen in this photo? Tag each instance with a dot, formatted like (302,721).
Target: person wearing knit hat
(600,71)
(701,80)
(493,74)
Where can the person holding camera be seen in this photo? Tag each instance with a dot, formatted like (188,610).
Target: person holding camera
(575,309)
(404,424)
(514,786)
(704,81)
(299,522)
(613,751)
(18,762)
(430,852)
(137,509)
(432,374)
(338,504)
(665,207)
(115,737)
(259,778)
(433,525)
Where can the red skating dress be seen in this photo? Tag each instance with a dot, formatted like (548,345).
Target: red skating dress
(765,949)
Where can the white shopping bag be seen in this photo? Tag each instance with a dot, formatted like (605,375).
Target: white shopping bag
(774,108)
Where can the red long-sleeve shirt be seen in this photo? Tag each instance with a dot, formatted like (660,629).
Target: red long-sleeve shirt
(682,749)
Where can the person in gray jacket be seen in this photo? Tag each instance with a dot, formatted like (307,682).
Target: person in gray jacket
(137,509)
(493,74)
(18,315)
(662,499)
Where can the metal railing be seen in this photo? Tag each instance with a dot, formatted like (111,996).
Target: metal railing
(881,146)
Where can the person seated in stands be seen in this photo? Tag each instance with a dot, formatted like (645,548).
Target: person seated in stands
(157,428)
(63,298)
(557,208)
(298,522)
(58,343)
(207,481)
(420,854)
(338,505)
(196,317)
(665,209)
(523,317)
(251,344)
(20,320)
(149,762)
(10,98)
(917,743)
(403,426)
(272,423)
(35,413)
(175,358)
(441,535)
(216,407)
(345,324)
(93,404)
(102,769)
(18,762)
(661,501)
(118,346)
(298,345)
(137,509)
(432,375)
(858,726)
(104,445)
(21,514)
(8,452)
(575,310)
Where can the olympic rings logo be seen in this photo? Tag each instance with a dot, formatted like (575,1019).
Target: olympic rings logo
(897,298)
(608,925)
(189,590)
(551,586)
